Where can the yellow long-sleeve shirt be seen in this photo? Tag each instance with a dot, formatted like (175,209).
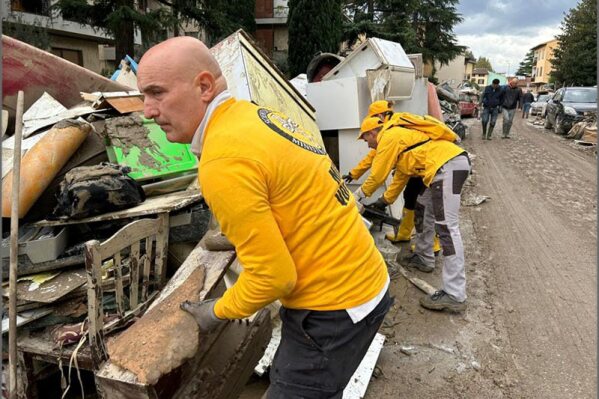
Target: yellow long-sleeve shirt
(423,160)
(363,166)
(293,222)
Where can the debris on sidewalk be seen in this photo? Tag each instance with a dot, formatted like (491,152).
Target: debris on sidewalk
(473,199)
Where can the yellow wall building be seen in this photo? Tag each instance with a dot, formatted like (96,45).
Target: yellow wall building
(542,67)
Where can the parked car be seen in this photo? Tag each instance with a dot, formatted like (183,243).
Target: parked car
(468,106)
(538,107)
(568,106)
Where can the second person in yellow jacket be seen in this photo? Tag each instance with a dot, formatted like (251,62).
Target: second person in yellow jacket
(444,167)
(383,110)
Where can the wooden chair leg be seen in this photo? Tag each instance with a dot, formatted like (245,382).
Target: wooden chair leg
(26,385)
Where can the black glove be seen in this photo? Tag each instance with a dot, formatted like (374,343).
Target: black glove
(380,204)
(348,179)
(203,313)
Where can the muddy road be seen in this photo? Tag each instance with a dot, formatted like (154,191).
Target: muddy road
(530,328)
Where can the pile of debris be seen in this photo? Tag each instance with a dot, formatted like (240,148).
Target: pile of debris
(585,131)
(91,261)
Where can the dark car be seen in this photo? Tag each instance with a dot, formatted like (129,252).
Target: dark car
(568,106)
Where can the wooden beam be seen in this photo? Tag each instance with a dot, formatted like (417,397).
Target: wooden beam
(14,250)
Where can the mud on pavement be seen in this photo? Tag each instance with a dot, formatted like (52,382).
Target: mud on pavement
(529,331)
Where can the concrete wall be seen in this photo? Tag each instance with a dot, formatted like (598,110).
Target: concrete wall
(453,73)
(89,50)
(281,38)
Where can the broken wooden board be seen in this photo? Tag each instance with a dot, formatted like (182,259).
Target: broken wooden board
(358,383)
(269,354)
(122,101)
(26,317)
(166,335)
(151,206)
(419,283)
(219,370)
(53,289)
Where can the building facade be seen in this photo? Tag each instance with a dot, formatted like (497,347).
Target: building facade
(480,76)
(456,71)
(272,33)
(542,66)
(80,44)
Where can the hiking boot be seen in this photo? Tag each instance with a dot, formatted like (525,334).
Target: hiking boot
(441,300)
(413,260)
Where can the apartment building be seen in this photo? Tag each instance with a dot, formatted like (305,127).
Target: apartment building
(272,33)
(542,66)
(459,69)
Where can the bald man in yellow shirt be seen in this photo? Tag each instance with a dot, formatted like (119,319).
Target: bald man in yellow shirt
(278,199)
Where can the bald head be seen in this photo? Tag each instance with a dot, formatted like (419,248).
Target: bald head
(179,78)
(185,56)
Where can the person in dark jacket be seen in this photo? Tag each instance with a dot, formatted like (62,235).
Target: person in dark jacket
(512,99)
(491,100)
(527,100)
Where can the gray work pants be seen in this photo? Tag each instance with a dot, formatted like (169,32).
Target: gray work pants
(437,209)
(508,118)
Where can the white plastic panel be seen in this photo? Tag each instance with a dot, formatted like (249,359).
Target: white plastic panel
(339,103)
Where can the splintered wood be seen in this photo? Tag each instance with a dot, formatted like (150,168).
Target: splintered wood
(163,338)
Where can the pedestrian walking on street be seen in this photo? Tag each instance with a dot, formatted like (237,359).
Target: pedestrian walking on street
(283,205)
(512,100)
(491,100)
(527,100)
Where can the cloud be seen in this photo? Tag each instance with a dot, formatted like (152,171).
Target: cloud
(505,51)
(504,30)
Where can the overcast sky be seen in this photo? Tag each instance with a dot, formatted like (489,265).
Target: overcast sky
(504,30)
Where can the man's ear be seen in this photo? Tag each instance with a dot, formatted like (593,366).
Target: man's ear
(207,84)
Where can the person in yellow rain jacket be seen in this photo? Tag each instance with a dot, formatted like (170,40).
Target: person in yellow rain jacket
(383,110)
(443,167)
(278,198)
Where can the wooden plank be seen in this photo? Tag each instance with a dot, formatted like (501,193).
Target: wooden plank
(224,369)
(118,281)
(163,338)
(147,263)
(134,231)
(215,263)
(26,317)
(26,268)
(51,291)
(161,249)
(151,206)
(93,266)
(134,265)
(358,383)
(126,104)
(419,283)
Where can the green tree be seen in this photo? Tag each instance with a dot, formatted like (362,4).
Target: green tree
(525,67)
(120,18)
(575,59)
(314,26)
(433,22)
(420,26)
(483,62)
